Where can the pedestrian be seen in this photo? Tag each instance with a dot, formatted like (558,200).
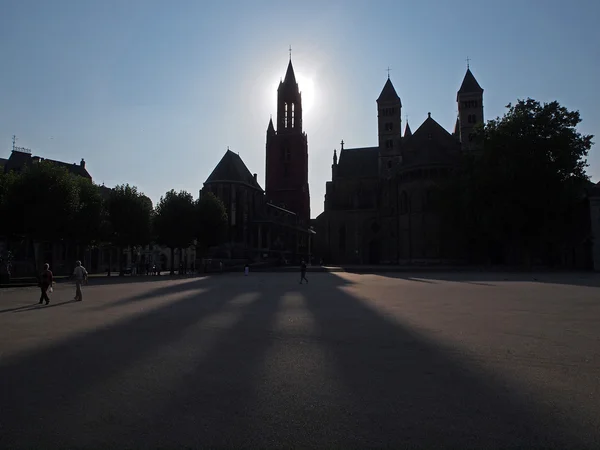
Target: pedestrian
(303,272)
(80,275)
(246,270)
(46,280)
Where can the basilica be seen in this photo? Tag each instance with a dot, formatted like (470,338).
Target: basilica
(379,204)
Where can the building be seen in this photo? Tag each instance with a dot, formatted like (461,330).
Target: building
(20,158)
(286,162)
(272,223)
(379,204)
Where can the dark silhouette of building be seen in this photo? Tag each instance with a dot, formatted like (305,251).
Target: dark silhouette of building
(379,204)
(19,159)
(287,152)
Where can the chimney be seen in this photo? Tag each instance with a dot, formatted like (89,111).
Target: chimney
(82,163)
(255,178)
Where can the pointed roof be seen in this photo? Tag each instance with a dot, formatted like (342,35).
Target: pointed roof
(388,93)
(232,169)
(407,132)
(470,84)
(271,128)
(290,78)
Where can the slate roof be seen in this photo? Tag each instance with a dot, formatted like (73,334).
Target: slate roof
(470,84)
(232,169)
(18,160)
(358,162)
(429,144)
(388,93)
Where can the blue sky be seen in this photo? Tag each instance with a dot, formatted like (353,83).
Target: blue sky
(152,93)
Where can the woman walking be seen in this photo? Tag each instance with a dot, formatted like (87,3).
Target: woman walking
(46,280)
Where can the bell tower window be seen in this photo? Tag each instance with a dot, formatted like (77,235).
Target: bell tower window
(293,118)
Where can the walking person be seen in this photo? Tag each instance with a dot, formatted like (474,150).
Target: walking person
(46,280)
(303,272)
(80,275)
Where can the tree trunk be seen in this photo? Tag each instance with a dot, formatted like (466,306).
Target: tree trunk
(120,256)
(172,260)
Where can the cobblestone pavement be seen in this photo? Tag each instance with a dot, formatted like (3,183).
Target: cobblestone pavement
(401,360)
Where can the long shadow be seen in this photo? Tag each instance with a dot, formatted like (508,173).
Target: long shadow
(489,278)
(214,405)
(409,391)
(51,379)
(189,285)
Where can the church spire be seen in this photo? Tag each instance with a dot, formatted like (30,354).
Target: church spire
(407,131)
(290,77)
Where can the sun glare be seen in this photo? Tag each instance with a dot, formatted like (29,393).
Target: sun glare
(307,87)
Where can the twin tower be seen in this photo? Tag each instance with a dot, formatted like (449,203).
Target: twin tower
(287,146)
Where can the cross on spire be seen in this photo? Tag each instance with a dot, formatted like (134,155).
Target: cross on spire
(342,144)
(468,61)
(290,52)
(388,71)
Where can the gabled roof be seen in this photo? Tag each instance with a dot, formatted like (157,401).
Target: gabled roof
(430,143)
(232,169)
(470,84)
(358,162)
(407,131)
(388,93)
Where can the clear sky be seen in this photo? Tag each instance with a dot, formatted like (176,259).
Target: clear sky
(151,92)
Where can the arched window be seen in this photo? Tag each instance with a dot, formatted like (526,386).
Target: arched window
(285,115)
(293,118)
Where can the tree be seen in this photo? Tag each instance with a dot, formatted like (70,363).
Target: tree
(130,214)
(519,190)
(87,220)
(211,221)
(40,205)
(174,221)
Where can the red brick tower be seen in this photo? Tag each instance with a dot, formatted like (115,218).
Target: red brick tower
(287,152)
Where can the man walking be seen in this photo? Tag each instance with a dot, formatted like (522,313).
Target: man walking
(303,272)
(46,280)
(80,275)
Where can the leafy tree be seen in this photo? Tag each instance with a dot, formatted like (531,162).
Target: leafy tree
(211,221)
(40,203)
(518,192)
(130,214)
(87,220)
(174,221)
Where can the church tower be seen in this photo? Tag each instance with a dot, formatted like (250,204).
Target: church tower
(470,108)
(389,109)
(287,152)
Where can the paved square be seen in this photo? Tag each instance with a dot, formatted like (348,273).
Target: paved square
(422,360)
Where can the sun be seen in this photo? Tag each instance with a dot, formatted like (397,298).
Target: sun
(307,88)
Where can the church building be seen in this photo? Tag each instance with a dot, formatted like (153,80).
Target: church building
(270,224)
(379,204)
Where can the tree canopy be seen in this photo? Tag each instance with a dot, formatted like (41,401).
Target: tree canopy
(211,220)
(130,214)
(519,188)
